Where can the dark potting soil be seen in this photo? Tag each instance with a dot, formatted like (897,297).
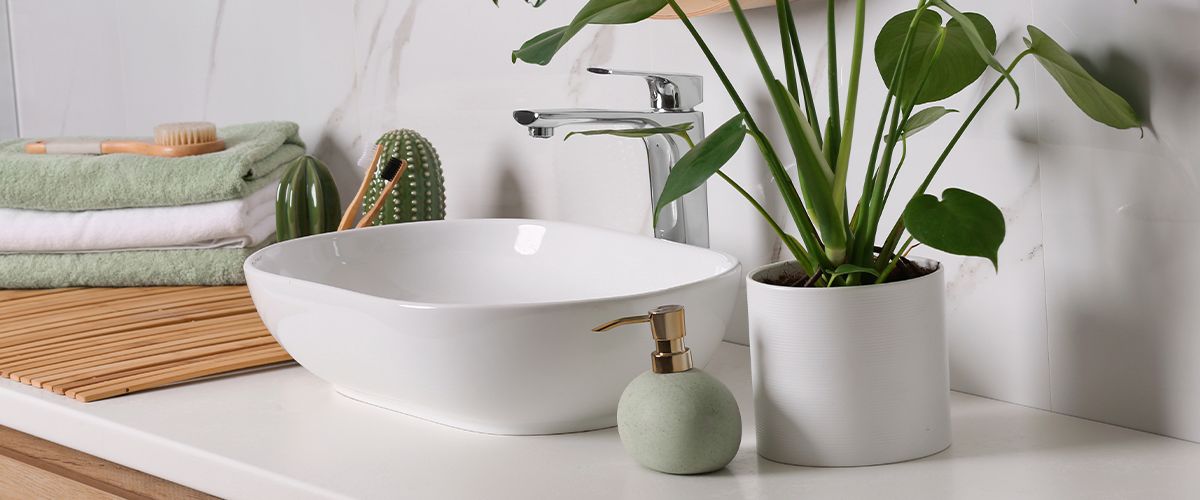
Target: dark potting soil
(905,270)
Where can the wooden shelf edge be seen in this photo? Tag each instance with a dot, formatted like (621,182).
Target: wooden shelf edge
(44,467)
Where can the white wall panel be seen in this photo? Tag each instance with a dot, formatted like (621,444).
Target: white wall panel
(1122,218)
(1092,310)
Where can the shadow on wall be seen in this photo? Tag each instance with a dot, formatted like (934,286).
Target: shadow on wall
(1012,42)
(509,202)
(344,168)
(1115,361)
(1126,76)
(761,105)
(1128,334)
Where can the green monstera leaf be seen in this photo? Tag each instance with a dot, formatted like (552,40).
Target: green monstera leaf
(921,120)
(975,34)
(541,49)
(957,66)
(701,162)
(1096,100)
(679,130)
(961,223)
(845,269)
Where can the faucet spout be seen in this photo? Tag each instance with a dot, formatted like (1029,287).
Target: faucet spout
(685,220)
(673,98)
(552,118)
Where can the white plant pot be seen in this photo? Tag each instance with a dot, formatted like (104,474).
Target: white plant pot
(849,376)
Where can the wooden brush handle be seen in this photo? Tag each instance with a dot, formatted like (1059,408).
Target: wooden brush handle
(348,217)
(92,147)
(383,195)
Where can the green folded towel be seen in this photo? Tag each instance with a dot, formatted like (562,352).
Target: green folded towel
(253,156)
(210,267)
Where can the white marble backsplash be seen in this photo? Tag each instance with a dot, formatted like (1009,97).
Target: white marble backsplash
(1092,312)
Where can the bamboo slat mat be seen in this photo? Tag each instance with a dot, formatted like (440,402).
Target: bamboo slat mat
(96,343)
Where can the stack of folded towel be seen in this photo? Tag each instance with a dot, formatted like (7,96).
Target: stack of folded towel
(134,220)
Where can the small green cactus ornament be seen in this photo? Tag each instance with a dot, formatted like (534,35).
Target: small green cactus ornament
(421,193)
(307,201)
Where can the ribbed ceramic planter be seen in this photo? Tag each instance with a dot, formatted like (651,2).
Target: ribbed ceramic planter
(849,376)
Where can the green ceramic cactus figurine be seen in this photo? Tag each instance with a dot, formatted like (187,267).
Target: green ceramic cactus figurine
(307,201)
(421,194)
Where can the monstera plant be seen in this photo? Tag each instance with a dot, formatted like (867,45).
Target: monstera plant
(924,55)
(847,375)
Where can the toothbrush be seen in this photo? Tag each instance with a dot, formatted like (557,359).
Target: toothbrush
(392,172)
(373,152)
(170,140)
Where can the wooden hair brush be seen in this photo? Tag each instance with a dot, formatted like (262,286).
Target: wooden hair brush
(170,139)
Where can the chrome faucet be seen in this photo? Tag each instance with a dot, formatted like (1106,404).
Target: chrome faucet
(673,97)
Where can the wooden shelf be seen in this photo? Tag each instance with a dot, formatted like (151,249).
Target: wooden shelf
(36,468)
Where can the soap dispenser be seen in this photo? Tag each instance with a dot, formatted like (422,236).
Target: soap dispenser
(676,418)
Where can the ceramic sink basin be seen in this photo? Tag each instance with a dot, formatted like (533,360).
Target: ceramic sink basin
(486,324)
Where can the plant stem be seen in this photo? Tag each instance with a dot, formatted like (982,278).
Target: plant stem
(810,106)
(785,38)
(761,60)
(928,69)
(712,60)
(804,224)
(885,251)
(786,188)
(899,226)
(900,115)
(903,156)
(801,256)
(843,156)
(864,236)
(963,128)
(895,260)
(856,224)
(889,244)
(835,132)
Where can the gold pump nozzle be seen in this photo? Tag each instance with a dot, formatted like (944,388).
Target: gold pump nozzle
(667,328)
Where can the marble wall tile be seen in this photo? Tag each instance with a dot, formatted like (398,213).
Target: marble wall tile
(1122,218)
(66,65)
(120,68)
(1048,330)
(8,93)
(459,87)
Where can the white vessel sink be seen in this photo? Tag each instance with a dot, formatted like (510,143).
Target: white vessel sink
(486,324)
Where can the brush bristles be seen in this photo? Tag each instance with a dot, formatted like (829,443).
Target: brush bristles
(391,169)
(183,134)
(368,154)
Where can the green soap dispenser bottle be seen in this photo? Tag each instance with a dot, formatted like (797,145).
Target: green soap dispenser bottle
(676,418)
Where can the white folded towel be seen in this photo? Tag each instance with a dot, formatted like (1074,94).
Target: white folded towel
(241,223)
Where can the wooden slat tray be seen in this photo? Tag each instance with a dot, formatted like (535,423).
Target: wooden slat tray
(96,343)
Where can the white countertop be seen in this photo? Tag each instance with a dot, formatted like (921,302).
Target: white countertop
(283,433)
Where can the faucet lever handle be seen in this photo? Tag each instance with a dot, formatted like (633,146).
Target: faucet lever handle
(668,91)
